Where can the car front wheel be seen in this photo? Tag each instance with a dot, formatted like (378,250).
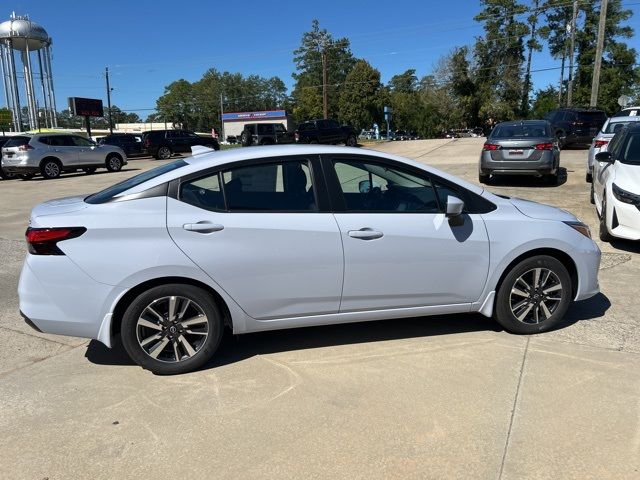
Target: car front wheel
(113,163)
(164,153)
(172,329)
(603,230)
(534,296)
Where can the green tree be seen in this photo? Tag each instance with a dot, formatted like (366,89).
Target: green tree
(406,82)
(499,55)
(532,45)
(619,72)
(558,15)
(307,92)
(177,104)
(118,116)
(545,99)
(359,103)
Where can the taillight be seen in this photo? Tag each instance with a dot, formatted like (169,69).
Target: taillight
(25,147)
(490,146)
(544,146)
(600,143)
(43,241)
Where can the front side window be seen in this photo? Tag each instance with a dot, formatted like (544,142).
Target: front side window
(279,186)
(82,142)
(631,150)
(265,129)
(379,188)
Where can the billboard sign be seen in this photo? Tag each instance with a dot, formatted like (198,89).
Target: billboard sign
(245,116)
(86,107)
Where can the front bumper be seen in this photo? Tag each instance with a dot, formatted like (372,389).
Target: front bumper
(587,260)
(623,218)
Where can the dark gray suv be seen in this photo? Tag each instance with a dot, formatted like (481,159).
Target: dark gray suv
(265,134)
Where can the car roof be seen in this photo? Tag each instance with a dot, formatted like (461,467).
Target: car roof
(211,159)
(524,122)
(624,119)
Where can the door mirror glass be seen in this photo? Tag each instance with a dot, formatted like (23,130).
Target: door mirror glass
(604,157)
(454,206)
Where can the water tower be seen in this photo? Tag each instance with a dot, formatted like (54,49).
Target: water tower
(32,44)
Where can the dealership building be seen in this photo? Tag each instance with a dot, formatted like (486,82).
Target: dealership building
(234,122)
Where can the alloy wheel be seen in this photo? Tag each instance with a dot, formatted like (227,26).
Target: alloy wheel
(164,153)
(114,163)
(172,329)
(535,295)
(51,169)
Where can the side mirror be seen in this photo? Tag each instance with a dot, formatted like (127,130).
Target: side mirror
(454,207)
(604,157)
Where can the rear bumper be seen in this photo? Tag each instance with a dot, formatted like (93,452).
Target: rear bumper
(20,169)
(543,166)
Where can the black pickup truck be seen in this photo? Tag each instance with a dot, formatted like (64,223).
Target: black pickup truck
(326,131)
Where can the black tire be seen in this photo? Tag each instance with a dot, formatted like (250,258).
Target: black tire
(592,197)
(165,366)
(7,175)
(113,162)
(504,313)
(246,139)
(483,178)
(89,170)
(50,168)
(552,179)
(351,141)
(603,232)
(164,153)
(588,177)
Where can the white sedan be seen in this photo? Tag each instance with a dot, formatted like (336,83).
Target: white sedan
(293,236)
(616,186)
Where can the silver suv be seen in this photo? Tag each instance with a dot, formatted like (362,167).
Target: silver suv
(50,154)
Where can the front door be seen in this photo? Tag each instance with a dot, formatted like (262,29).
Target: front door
(257,231)
(89,153)
(399,249)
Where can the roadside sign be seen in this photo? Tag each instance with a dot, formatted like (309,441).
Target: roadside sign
(5,116)
(86,107)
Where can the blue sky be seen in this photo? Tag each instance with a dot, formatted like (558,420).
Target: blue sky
(148,44)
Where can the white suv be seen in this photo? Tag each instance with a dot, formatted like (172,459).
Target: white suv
(51,154)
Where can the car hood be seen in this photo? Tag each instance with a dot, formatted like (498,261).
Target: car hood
(59,205)
(541,211)
(627,177)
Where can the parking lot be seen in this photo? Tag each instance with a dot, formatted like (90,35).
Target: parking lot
(437,397)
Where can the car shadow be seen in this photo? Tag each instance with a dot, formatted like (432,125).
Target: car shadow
(626,245)
(528,181)
(80,174)
(236,348)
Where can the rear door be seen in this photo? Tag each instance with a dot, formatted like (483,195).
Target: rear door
(399,249)
(261,230)
(64,148)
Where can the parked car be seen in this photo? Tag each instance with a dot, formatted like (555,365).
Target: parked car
(327,132)
(526,147)
(51,154)
(162,144)
(291,236)
(576,126)
(401,135)
(129,142)
(600,142)
(383,135)
(4,175)
(265,134)
(628,112)
(616,186)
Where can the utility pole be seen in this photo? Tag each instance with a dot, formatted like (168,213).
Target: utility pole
(221,117)
(571,52)
(106,74)
(595,81)
(325,99)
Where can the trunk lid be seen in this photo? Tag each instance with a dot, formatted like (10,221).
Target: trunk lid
(518,149)
(59,206)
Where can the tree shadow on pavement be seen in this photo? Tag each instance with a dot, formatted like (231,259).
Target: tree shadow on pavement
(235,348)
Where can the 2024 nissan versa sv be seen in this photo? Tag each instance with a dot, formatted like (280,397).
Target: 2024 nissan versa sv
(292,236)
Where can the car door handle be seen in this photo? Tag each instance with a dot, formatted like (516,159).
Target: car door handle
(365,234)
(203,227)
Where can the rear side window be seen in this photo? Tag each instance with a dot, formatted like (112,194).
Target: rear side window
(17,141)
(592,117)
(109,193)
(203,192)
(265,129)
(615,127)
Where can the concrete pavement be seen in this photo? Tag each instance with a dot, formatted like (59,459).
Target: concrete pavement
(437,397)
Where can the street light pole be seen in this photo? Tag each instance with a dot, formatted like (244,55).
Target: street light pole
(106,74)
(572,50)
(595,81)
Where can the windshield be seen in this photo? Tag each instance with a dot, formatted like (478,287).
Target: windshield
(615,127)
(630,152)
(520,131)
(108,193)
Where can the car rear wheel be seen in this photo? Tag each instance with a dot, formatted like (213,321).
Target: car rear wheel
(534,296)
(113,163)
(483,177)
(172,329)
(603,231)
(164,153)
(6,175)
(351,141)
(50,168)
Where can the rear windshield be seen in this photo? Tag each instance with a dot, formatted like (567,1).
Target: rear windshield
(615,127)
(108,193)
(520,131)
(592,117)
(17,141)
